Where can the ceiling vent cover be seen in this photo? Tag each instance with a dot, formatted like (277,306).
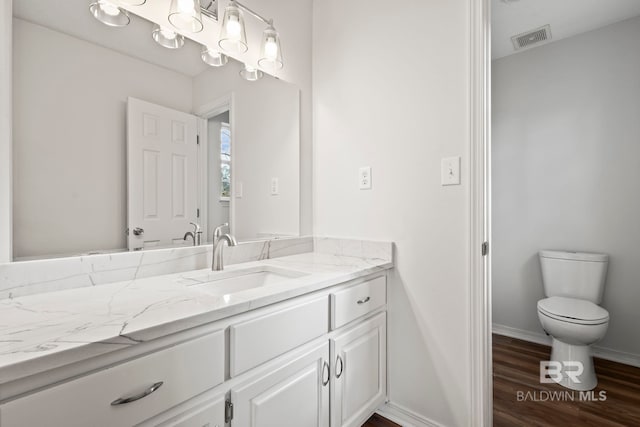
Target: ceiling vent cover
(533,37)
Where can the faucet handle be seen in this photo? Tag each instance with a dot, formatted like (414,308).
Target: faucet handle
(196,227)
(218,231)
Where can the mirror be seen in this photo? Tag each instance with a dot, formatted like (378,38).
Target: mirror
(85,97)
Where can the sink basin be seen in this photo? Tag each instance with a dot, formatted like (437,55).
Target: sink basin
(229,282)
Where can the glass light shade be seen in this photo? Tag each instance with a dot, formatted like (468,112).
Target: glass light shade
(133,2)
(185,15)
(213,57)
(270,51)
(233,37)
(251,74)
(167,38)
(109,14)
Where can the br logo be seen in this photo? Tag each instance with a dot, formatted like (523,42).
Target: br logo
(553,372)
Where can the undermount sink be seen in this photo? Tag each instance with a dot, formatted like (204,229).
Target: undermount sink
(232,281)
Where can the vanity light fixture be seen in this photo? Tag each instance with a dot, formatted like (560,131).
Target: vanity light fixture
(212,56)
(186,15)
(233,37)
(167,38)
(270,51)
(109,14)
(251,74)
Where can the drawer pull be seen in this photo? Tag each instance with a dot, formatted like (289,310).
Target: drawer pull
(362,301)
(326,367)
(147,392)
(339,359)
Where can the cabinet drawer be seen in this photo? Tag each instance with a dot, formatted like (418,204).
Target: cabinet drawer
(258,340)
(210,414)
(185,370)
(356,301)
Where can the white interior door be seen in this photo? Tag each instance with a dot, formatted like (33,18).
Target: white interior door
(162,174)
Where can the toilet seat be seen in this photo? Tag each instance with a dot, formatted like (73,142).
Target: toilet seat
(573,310)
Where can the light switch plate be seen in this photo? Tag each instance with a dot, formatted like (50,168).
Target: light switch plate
(364,178)
(275,187)
(450,171)
(238,190)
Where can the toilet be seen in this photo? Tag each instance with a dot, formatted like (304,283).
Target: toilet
(573,283)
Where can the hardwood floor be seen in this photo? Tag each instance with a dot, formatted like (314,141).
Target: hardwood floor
(379,421)
(516,371)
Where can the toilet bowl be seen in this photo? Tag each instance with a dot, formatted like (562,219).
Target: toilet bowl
(574,284)
(574,324)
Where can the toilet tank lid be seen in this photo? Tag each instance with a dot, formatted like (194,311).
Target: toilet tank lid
(575,256)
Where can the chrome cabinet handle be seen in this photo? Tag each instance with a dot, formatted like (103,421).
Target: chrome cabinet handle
(327,368)
(362,301)
(147,392)
(138,231)
(339,359)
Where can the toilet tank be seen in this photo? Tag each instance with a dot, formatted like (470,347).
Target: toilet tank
(574,274)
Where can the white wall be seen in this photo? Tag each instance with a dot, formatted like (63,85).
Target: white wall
(265,134)
(69,189)
(566,150)
(293,22)
(391,91)
(5,131)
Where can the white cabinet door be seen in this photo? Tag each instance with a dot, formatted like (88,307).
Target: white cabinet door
(294,395)
(162,174)
(359,372)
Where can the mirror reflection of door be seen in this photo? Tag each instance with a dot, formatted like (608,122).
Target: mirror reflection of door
(162,174)
(219,171)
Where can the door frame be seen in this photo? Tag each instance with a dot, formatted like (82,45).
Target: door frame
(6,145)
(481,371)
(205,112)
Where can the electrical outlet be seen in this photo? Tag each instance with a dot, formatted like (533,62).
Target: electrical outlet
(364,178)
(275,187)
(450,171)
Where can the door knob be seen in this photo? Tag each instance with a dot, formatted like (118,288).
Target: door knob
(138,231)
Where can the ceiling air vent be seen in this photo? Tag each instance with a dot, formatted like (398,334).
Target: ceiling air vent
(533,37)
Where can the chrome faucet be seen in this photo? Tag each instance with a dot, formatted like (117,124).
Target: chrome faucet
(218,263)
(196,234)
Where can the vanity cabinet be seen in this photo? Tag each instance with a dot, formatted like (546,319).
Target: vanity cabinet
(317,360)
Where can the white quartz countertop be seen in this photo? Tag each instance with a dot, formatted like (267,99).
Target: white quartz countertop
(45,331)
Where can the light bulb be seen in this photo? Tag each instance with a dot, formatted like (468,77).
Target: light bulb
(233,28)
(186,6)
(271,49)
(109,9)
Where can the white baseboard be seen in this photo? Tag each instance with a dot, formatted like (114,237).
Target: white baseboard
(405,417)
(538,338)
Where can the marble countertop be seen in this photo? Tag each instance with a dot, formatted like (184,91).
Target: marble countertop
(45,331)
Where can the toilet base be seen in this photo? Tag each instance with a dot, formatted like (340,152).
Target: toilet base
(563,352)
